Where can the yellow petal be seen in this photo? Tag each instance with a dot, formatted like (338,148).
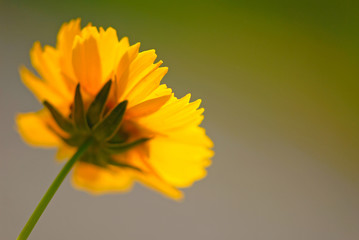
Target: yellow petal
(89,31)
(139,68)
(175,114)
(40,89)
(157,184)
(122,47)
(47,64)
(193,135)
(127,58)
(146,108)
(65,152)
(146,86)
(87,64)
(160,91)
(33,128)
(138,157)
(66,35)
(179,164)
(108,49)
(100,180)
(65,42)
(122,72)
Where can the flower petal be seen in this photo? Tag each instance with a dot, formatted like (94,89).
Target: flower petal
(122,71)
(46,62)
(138,69)
(177,163)
(65,152)
(123,46)
(35,131)
(40,89)
(146,108)
(160,91)
(174,115)
(87,63)
(100,180)
(157,184)
(138,157)
(108,48)
(193,135)
(65,42)
(147,85)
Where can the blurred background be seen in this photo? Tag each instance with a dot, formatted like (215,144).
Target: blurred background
(279,82)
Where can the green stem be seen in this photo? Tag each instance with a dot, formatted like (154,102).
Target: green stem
(51,191)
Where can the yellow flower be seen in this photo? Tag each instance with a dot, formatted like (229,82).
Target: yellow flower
(92,84)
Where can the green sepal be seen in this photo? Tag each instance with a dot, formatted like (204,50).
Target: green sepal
(96,157)
(123,147)
(102,159)
(79,111)
(110,124)
(96,108)
(122,165)
(119,137)
(62,122)
(75,140)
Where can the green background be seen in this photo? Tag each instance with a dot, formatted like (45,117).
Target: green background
(280,84)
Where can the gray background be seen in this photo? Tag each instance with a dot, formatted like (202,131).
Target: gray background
(279,83)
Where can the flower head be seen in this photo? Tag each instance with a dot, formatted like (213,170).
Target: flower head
(93,85)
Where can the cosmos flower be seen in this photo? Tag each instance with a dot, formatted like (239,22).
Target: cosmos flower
(95,86)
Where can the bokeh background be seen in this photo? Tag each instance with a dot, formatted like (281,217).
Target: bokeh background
(279,82)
